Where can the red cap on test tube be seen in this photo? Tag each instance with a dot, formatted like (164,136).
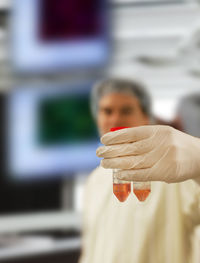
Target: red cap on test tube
(117,128)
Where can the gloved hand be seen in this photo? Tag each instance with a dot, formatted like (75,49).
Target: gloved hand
(151,153)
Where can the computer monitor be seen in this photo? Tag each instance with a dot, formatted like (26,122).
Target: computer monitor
(52,35)
(24,197)
(51,132)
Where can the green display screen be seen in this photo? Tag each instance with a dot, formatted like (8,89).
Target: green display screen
(65,119)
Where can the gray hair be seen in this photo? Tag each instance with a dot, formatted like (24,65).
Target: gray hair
(123,86)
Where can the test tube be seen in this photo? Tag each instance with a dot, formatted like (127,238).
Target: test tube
(141,190)
(121,188)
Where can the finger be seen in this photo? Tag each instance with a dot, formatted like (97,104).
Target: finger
(144,175)
(130,162)
(128,135)
(125,149)
(159,171)
(140,175)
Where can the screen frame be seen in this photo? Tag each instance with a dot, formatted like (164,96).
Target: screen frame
(21,145)
(30,56)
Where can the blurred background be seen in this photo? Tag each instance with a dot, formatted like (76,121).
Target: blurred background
(51,53)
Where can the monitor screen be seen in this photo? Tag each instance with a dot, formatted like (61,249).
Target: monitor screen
(50,131)
(51,35)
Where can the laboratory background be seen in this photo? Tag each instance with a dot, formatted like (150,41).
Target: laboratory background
(49,60)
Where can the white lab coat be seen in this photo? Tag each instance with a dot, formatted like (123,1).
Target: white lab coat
(158,230)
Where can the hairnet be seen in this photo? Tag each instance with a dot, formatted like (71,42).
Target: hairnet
(123,86)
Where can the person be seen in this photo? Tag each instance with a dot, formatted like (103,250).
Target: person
(157,230)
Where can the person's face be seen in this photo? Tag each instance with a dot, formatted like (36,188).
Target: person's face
(117,109)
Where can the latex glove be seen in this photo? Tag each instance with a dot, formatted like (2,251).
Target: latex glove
(151,153)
